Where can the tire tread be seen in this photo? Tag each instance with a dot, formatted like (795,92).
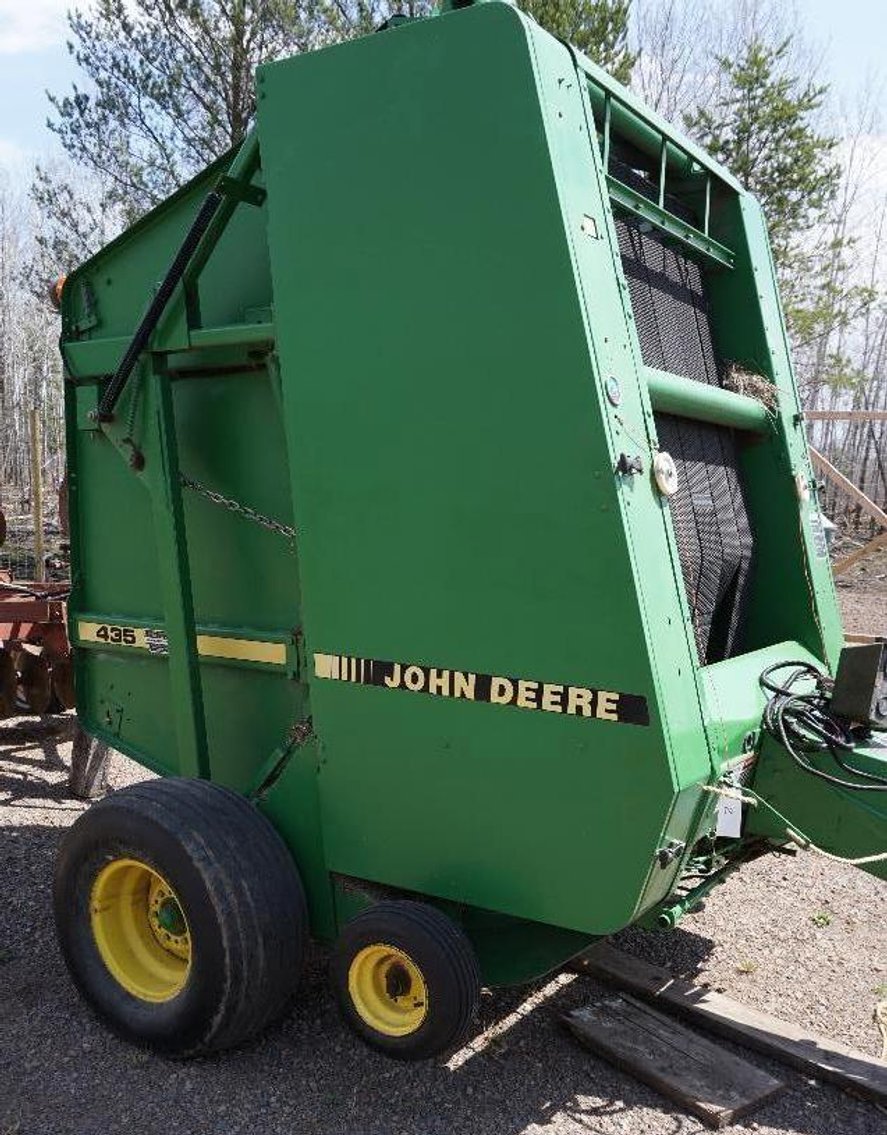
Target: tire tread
(253,886)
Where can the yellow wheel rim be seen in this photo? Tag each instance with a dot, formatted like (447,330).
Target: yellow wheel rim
(387,990)
(140,930)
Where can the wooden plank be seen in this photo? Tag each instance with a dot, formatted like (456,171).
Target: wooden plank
(702,1077)
(860,554)
(826,1059)
(865,503)
(846,415)
(864,639)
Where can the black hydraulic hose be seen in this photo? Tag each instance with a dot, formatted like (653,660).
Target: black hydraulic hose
(803,723)
(164,293)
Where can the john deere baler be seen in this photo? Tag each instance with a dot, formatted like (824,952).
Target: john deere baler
(443,527)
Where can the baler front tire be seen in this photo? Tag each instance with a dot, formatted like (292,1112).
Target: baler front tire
(180,915)
(406,979)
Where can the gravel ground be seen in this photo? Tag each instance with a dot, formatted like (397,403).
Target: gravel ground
(804,939)
(863,595)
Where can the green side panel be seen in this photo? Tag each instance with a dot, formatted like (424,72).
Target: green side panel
(116,695)
(231,441)
(453,476)
(841,821)
(241,255)
(105,298)
(512,952)
(111,569)
(244,578)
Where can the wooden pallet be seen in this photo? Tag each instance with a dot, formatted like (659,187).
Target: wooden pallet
(701,1076)
(825,1059)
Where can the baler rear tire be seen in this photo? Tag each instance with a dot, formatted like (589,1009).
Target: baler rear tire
(180,915)
(430,1005)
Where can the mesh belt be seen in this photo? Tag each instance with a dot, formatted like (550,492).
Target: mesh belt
(669,304)
(715,542)
(667,291)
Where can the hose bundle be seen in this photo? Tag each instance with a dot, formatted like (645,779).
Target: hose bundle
(798,716)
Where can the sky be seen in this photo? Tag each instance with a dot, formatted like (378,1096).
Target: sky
(852,35)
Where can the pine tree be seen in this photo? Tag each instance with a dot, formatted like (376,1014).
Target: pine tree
(761,125)
(597,27)
(168,87)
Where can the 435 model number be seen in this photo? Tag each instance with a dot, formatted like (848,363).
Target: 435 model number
(107,632)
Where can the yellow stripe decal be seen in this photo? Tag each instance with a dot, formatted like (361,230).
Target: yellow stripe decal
(155,641)
(242,649)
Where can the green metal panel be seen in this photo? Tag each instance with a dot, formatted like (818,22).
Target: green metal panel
(851,824)
(428,533)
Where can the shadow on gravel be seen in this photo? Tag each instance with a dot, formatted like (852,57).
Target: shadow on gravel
(520,1074)
(682,952)
(63,1073)
(43,734)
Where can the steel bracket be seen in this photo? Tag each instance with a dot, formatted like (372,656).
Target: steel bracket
(238,190)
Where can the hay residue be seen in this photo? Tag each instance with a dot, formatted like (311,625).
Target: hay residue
(742,381)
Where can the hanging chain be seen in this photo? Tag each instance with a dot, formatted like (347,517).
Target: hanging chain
(240,509)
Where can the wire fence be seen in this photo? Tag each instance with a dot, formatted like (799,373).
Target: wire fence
(21,553)
(859,451)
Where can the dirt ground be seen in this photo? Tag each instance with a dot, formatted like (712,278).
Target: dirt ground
(863,595)
(802,938)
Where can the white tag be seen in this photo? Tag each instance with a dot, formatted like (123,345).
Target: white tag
(729,817)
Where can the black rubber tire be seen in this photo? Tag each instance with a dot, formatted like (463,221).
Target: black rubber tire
(241,894)
(445,959)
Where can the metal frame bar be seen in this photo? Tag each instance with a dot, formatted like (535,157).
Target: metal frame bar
(233,335)
(675,229)
(672,394)
(860,554)
(846,415)
(175,580)
(846,486)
